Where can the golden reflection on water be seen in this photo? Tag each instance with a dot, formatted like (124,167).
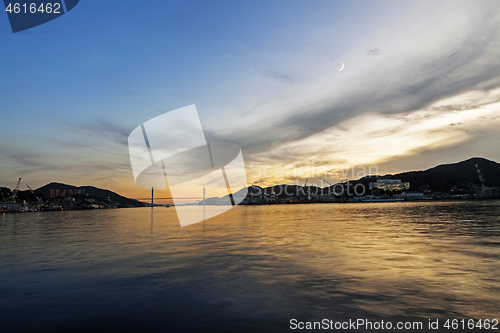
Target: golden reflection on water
(430,260)
(421,258)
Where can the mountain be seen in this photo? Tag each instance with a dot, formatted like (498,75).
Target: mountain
(449,175)
(446,176)
(439,178)
(91,191)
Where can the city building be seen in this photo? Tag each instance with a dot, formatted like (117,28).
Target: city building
(10,206)
(54,193)
(389,185)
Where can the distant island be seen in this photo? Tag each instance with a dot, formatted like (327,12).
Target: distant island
(449,181)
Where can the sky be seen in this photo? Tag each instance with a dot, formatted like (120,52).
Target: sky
(420,86)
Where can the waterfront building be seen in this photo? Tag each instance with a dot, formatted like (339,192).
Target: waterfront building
(412,195)
(9,206)
(389,185)
(324,197)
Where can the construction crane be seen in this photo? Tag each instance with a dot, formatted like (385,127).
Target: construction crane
(341,183)
(345,188)
(481,180)
(39,200)
(13,198)
(308,194)
(325,181)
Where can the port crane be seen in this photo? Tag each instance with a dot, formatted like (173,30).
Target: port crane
(39,200)
(308,192)
(481,180)
(328,184)
(345,187)
(13,197)
(341,183)
(325,182)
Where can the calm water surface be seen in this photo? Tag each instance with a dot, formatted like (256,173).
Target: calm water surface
(251,269)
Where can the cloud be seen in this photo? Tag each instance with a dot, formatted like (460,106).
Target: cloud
(374,52)
(99,130)
(78,154)
(415,73)
(279,76)
(373,139)
(455,107)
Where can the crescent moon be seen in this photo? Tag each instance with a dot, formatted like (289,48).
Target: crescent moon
(341,68)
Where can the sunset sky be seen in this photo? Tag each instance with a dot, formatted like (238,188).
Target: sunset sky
(420,86)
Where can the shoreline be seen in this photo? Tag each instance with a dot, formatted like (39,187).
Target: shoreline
(262,204)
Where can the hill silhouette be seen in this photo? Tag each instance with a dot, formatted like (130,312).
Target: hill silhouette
(449,175)
(446,175)
(92,191)
(441,177)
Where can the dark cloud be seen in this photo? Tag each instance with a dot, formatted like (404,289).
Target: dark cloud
(20,161)
(455,107)
(28,158)
(319,163)
(374,52)
(246,113)
(103,129)
(280,77)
